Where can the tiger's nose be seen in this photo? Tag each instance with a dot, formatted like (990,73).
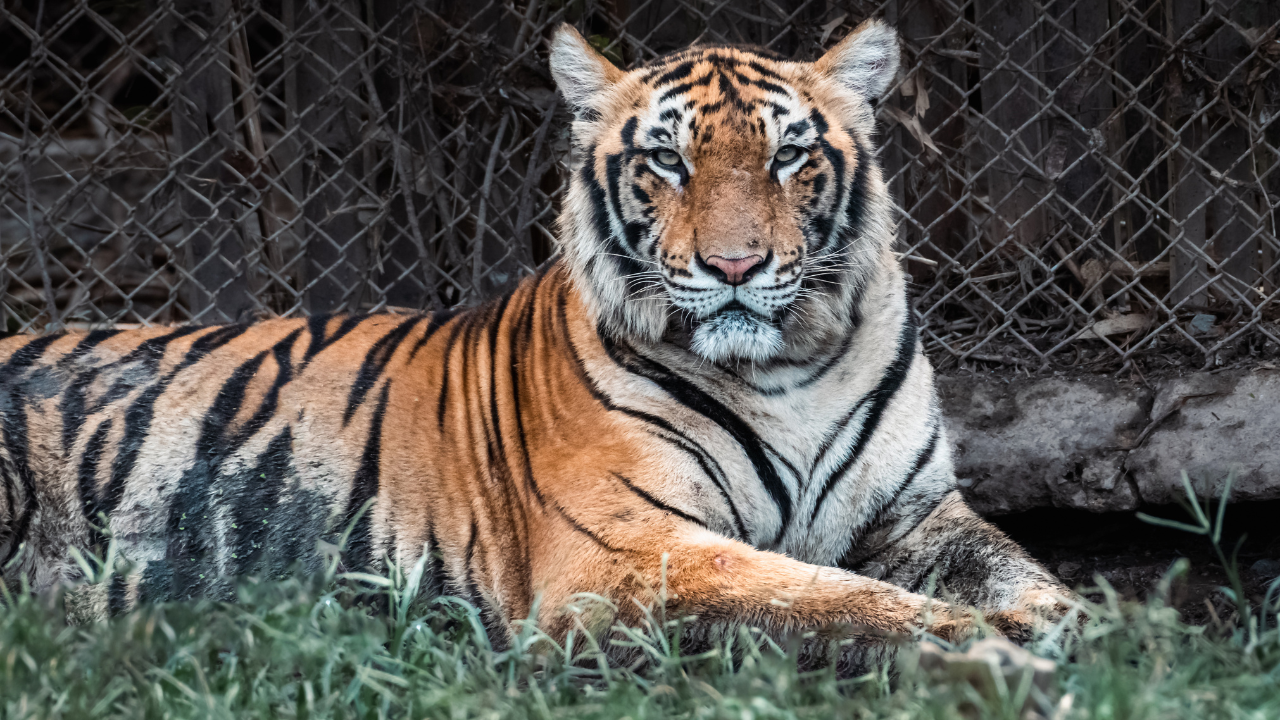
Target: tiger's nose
(732,271)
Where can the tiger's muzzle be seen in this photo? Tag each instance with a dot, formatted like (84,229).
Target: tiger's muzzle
(734,302)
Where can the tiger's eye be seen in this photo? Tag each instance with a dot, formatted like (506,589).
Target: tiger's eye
(787,154)
(667,158)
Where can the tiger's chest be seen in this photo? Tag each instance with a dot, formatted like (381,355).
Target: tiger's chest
(803,472)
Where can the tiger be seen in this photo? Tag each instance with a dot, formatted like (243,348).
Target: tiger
(713,398)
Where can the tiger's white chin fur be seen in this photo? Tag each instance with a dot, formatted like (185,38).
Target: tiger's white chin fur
(736,335)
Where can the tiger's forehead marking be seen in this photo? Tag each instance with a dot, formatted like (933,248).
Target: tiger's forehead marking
(694,92)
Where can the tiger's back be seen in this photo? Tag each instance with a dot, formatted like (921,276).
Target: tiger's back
(184,445)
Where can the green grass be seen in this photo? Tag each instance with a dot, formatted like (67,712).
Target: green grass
(303,648)
(313,647)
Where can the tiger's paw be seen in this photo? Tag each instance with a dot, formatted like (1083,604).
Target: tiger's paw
(1015,625)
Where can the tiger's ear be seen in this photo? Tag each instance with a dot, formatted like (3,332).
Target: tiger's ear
(866,61)
(582,74)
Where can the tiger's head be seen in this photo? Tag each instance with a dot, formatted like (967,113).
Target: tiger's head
(724,198)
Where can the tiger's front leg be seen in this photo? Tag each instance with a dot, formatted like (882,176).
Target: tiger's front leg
(727,584)
(970,559)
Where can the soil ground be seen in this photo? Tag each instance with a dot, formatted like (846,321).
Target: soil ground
(1133,555)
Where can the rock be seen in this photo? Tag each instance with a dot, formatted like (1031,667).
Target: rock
(1068,570)
(1202,324)
(1266,569)
(1095,443)
(1043,442)
(1210,425)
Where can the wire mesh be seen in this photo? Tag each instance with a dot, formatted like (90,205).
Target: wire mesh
(1077,183)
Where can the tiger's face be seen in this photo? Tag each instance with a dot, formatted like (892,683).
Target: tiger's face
(723,198)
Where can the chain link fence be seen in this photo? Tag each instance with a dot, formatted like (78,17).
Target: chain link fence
(1092,183)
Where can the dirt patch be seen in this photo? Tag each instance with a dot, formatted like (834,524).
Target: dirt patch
(1133,555)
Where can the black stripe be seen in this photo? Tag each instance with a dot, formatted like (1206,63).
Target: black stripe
(613,178)
(729,95)
(599,202)
(358,553)
(19,484)
(764,71)
(694,398)
(828,442)
(855,207)
(435,576)
(762,84)
(190,530)
(489,616)
(856,211)
(824,224)
(156,584)
(519,338)
(658,503)
(922,460)
(375,362)
(798,127)
(147,356)
(679,72)
(152,350)
(25,356)
(319,342)
(442,404)
(72,407)
(500,467)
(87,344)
(283,354)
(469,586)
(87,482)
(779,457)
(623,262)
(117,595)
(468,351)
(16,440)
(437,321)
(686,87)
(254,502)
(582,529)
(704,459)
(137,419)
(845,344)
(10,493)
(879,398)
(205,344)
(881,516)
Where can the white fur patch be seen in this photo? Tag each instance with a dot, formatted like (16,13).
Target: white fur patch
(581,73)
(866,61)
(736,335)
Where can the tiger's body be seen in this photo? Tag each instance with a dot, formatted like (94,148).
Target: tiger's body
(718,384)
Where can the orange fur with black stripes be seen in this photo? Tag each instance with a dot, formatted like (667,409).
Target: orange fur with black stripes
(718,384)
